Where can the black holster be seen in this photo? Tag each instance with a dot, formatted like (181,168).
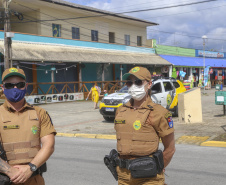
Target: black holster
(109,161)
(4,179)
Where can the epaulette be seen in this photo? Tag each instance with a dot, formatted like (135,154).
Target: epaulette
(150,107)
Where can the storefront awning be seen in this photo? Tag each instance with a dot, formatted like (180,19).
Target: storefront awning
(57,53)
(194,61)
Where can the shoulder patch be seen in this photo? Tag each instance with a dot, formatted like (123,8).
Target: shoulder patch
(168,114)
(170,121)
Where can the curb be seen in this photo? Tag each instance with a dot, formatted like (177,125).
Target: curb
(214,143)
(92,136)
(201,141)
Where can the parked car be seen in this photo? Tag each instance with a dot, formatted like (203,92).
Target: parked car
(110,103)
(164,91)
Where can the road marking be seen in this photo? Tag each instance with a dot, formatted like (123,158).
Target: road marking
(191,140)
(214,143)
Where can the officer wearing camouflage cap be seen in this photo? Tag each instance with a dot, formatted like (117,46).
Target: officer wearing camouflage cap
(139,125)
(27,132)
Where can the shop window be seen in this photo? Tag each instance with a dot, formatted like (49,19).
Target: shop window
(167,86)
(127,40)
(75,33)
(111,37)
(56,29)
(176,85)
(157,88)
(94,35)
(139,41)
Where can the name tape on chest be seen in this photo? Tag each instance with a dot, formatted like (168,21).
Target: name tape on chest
(11,127)
(120,121)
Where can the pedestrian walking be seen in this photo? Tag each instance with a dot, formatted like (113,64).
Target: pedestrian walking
(139,125)
(95,90)
(27,134)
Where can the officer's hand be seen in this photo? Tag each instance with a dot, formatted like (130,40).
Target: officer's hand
(12,172)
(23,175)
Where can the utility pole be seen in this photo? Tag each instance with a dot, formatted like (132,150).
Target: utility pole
(7,38)
(204,37)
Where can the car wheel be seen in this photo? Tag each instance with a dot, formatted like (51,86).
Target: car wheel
(109,118)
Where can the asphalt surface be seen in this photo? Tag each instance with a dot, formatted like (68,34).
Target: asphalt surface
(79,161)
(79,117)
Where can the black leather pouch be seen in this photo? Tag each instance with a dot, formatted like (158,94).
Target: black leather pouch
(143,167)
(159,160)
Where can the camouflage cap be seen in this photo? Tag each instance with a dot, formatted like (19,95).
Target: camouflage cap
(13,72)
(141,73)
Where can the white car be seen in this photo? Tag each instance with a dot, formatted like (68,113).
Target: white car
(163,92)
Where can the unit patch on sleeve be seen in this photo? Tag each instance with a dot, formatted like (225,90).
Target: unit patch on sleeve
(169,119)
(11,127)
(120,121)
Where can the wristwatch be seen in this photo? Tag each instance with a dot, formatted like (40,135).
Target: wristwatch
(32,167)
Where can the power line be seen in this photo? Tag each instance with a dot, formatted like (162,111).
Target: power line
(166,7)
(166,32)
(113,14)
(187,12)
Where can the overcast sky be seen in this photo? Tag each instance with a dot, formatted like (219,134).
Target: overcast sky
(185,26)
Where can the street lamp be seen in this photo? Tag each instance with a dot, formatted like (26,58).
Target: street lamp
(204,37)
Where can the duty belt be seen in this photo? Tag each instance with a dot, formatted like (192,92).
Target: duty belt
(122,163)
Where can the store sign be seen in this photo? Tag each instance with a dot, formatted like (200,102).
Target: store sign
(210,54)
(54,98)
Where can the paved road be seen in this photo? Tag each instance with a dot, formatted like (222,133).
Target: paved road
(79,161)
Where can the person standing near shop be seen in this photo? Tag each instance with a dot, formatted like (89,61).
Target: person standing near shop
(139,125)
(26,132)
(95,90)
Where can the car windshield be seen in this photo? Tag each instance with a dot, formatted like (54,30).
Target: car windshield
(124,90)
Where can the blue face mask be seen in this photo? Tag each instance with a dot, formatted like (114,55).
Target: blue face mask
(15,94)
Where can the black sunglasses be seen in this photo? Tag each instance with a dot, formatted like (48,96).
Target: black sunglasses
(19,85)
(137,82)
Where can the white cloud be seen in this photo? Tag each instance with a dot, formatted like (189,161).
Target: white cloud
(196,23)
